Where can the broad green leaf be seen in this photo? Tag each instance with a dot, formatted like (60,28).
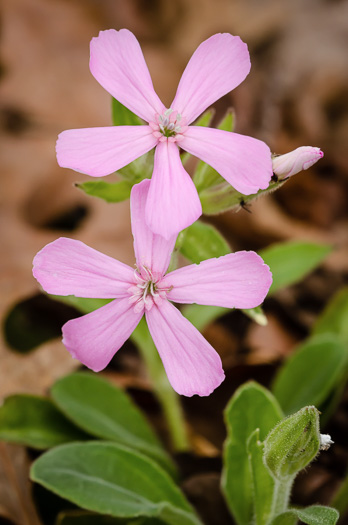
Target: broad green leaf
(205,176)
(200,315)
(105,411)
(292,261)
(122,116)
(109,191)
(262,481)
(203,120)
(201,241)
(334,319)
(292,444)
(251,407)
(314,515)
(311,373)
(82,517)
(111,479)
(35,422)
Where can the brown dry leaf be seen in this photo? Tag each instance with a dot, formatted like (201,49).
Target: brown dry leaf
(15,489)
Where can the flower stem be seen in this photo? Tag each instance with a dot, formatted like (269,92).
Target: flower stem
(168,398)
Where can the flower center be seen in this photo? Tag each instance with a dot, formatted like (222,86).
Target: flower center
(169,126)
(146,291)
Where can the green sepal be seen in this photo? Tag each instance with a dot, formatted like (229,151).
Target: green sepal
(293,444)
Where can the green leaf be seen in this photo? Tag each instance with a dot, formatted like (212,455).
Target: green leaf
(205,176)
(262,481)
(311,373)
(251,407)
(122,116)
(200,315)
(290,262)
(105,411)
(201,241)
(292,444)
(314,515)
(35,422)
(111,479)
(334,319)
(108,191)
(81,517)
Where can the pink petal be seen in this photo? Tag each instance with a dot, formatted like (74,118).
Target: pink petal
(94,338)
(101,151)
(173,202)
(217,66)
(151,251)
(69,267)
(295,161)
(118,64)
(191,363)
(243,161)
(237,280)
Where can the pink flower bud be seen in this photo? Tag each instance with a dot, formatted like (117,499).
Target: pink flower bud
(302,158)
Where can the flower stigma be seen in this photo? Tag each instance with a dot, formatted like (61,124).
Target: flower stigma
(169,126)
(147,290)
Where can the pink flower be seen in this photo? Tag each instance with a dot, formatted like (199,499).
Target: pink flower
(67,266)
(219,65)
(299,159)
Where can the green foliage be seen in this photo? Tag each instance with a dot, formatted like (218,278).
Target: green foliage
(314,515)
(262,482)
(311,373)
(87,518)
(292,261)
(109,191)
(201,241)
(122,116)
(105,411)
(293,444)
(251,407)
(200,315)
(35,422)
(111,479)
(334,319)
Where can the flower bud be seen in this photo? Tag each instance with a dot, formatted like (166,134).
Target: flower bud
(302,158)
(293,443)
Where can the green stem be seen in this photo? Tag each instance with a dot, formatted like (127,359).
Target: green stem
(281,496)
(168,398)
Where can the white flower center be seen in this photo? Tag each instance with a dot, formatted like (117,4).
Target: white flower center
(146,291)
(169,126)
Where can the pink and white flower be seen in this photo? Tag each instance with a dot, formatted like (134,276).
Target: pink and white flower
(218,65)
(284,166)
(69,267)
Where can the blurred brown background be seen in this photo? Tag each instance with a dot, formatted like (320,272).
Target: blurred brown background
(296,94)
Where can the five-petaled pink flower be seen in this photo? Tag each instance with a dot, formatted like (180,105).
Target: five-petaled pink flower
(219,65)
(67,266)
